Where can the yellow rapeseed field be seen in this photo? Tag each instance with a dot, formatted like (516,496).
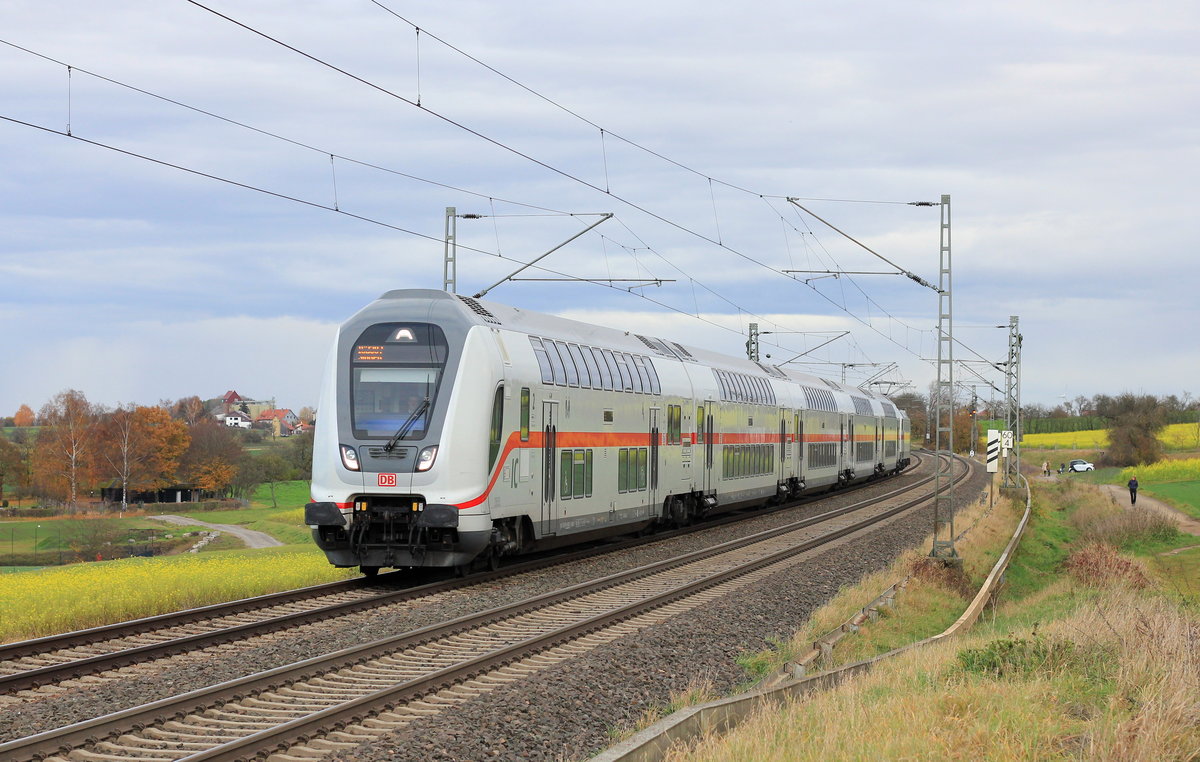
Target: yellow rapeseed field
(74,597)
(1177,436)
(1165,471)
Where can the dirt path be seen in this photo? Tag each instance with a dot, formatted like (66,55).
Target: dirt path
(252,538)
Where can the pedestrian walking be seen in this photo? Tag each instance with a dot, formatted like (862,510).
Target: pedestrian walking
(1133,485)
(1045,468)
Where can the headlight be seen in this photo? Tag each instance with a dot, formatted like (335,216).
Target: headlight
(425,461)
(349,458)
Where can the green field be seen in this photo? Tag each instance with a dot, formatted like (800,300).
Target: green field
(1183,495)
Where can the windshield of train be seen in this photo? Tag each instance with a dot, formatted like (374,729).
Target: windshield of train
(394,368)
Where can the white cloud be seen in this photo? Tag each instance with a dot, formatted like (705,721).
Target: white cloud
(1063,132)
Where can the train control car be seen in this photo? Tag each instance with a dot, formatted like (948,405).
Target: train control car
(455,431)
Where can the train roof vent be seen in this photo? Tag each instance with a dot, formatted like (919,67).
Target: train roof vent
(771,370)
(682,352)
(862,406)
(657,346)
(479,309)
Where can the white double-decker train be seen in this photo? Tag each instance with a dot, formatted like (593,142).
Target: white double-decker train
(454,430)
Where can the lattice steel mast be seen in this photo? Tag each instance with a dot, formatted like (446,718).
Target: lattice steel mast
(943,483)
(1012,404)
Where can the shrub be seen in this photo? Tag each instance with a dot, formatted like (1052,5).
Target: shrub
(1099,565)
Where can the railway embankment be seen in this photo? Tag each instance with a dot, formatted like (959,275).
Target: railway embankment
(1090,648)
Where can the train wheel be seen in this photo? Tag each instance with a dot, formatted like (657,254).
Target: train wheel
(369,571)
(493,559)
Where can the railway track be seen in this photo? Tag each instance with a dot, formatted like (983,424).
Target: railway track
(341,699)
(31,664)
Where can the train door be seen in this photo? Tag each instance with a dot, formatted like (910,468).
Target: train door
(549,468)
(801,447)
(783,445)
(652,477)
(704,430)
(846,422)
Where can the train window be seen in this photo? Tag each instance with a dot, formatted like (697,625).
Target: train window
(642,460)
(578,475)
(626,377)
(635,378)
(655,386)
(568,364)
(496,432)
(543,360)
(590,361)
(723,379)
(564,474)
(606,379)
(585,376)
(674,424)
(587,473)
(623,471)
(700,424)
(643,374)
(741,393)
(611,362)
(391,379)
(524,415)
(556,364)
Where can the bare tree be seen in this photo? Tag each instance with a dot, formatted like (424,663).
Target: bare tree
(63,446)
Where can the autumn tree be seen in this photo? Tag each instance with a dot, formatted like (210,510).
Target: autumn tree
(213,456)
(141,446)
(307,414)
(62,454)
(190,410)
(917,409)
(23,417)
(12,466)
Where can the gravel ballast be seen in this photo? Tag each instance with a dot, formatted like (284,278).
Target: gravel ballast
(572,710)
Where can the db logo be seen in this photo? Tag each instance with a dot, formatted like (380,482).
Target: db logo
(387,480)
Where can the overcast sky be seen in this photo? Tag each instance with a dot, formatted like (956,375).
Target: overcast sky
(1067,135)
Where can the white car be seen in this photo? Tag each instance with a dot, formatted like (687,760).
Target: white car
(1080,465)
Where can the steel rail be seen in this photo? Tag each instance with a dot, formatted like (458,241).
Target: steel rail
(74,668)
(61,740)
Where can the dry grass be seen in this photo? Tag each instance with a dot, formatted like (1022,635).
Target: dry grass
(1099,565)
(1099,519)
(699,690)
(1116,680)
